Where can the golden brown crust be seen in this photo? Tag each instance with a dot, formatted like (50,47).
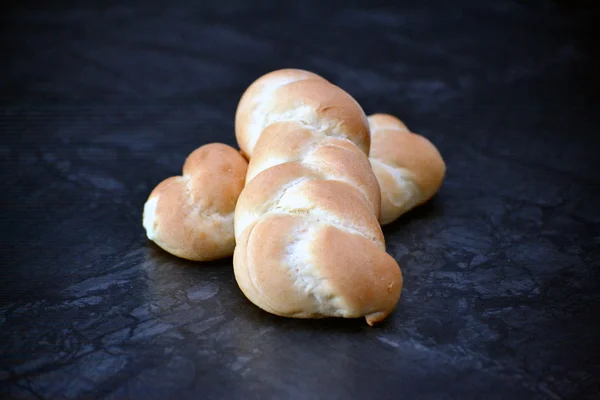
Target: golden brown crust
(368,279)
(296,141)
(308,241)
(191,216)
(338,159)
(337,267)
(251,100)
(300,96)
(263,272)
(409,168)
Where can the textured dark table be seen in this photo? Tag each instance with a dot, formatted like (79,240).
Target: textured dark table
(502,269)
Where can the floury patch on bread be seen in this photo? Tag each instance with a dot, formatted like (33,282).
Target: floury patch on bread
(191,216)
(309,244)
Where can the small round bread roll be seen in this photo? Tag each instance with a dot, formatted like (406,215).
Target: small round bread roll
(191,216)
(409,168)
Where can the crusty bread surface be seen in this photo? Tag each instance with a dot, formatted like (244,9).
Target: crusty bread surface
(309,244)
(409,168)
(191,216)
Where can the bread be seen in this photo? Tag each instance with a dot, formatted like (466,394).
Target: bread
(191,216)
(308,241)
(409,168)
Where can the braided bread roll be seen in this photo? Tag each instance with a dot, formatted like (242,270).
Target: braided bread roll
(308,241)
(409,168)
(191,216)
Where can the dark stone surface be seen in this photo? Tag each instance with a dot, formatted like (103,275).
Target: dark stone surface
(100,103)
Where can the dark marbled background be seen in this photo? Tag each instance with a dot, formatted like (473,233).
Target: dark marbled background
(101,102)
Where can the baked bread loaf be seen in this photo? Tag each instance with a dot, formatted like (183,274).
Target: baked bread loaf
(308,243)
(409,168)
(191,216)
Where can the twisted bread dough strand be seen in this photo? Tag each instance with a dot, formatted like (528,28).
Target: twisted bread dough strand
(308,243)
(409,168)
(191,216)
